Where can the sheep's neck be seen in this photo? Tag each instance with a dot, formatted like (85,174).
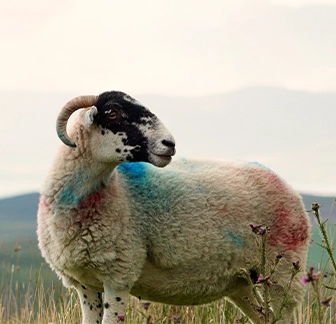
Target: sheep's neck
(81,178)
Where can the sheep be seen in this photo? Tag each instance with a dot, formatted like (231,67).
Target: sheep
(118,217)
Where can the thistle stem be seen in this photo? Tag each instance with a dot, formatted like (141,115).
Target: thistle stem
(315,210)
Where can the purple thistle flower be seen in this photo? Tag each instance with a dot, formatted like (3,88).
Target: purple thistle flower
(255,228)
(296,265)
(311,276)
(266,280)
(280,255)
(259,229)
(304,280)
(260,279)
(121,318)
(315,206)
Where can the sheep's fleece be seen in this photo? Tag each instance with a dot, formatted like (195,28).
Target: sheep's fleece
(178,235)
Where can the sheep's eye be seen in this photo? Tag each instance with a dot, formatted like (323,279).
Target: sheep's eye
(112,115)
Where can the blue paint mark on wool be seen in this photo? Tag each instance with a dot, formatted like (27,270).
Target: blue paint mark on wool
(136,176)
(67,196)
(189,165)
(150,187)
(235,238)
(135,170)
(71,192)
(260,165)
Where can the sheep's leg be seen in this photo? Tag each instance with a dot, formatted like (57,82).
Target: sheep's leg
(244,299)
(115,301)
(91,305)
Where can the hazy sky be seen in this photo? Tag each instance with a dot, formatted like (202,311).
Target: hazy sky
(182,47)
(176,48)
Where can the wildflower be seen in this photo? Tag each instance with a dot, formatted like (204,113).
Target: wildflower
(255,228)
(316,276)
(259,229)
(315,207)
(326,302)
(296,265)
(311,276)
(121,318)
(261,279)
(280,255)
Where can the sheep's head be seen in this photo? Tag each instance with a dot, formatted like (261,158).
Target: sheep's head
(120,129)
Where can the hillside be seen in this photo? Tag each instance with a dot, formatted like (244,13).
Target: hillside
(18,217)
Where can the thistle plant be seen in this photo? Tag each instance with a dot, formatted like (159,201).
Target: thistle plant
(315,278)
(265,279)
(322,227)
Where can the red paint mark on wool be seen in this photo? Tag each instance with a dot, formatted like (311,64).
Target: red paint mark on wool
(91,200)
(288,230)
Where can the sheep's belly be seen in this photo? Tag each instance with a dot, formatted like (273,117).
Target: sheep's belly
(183,287)
(179,298)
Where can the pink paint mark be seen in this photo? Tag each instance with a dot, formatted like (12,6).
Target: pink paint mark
(276,182)
(43,209)
(288,230)
(91,200)
(43,203)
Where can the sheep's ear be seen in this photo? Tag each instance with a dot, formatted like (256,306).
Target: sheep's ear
(88,116)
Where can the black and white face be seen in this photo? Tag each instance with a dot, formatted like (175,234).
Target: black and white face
(124,130)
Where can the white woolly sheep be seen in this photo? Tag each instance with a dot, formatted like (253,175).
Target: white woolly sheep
(178,235)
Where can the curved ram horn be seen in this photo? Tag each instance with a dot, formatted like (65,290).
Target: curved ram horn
(64,115)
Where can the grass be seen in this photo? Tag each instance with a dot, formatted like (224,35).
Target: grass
(35,302)
(32,294)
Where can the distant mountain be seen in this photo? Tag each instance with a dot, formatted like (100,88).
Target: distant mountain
(20,207)
(18,217)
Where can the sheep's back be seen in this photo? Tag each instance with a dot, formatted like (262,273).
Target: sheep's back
(191,206)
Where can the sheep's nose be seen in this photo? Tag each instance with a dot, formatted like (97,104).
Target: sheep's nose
(170,145)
